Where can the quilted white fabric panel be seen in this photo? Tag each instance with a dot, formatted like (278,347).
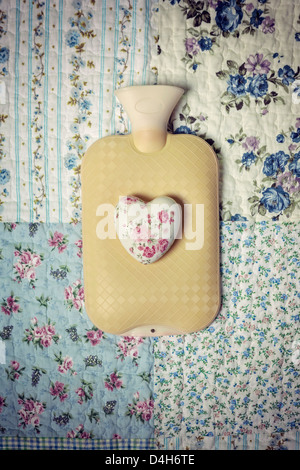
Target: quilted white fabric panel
(60,63)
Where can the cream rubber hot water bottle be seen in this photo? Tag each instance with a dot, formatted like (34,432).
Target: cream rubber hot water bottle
(150,223)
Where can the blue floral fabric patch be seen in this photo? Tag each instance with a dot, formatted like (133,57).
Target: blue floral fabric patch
(238,64)
(239,378)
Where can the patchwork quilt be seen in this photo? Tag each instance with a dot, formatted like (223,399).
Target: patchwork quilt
(64,384)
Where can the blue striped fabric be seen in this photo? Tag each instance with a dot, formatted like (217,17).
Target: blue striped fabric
(66,60)
(245,441)
(46,117)
(102,52)
(147,25)
(59,98)
(133,41)
(116,41)
(132,59)
(258,441)
(29,92)
(16,128)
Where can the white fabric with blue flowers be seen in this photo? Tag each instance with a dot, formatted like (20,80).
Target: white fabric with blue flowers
(239,64)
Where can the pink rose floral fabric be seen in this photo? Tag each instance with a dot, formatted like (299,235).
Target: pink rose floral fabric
(147,231)
(61,376)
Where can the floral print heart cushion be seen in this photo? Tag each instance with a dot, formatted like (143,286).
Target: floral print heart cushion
(147,230)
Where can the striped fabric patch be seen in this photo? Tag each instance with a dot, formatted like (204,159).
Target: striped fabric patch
(16,109)
(65,61)
(257,441)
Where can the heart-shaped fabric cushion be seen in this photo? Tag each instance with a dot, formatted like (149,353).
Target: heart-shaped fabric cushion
(147,230)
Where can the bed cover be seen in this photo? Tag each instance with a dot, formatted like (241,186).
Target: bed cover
(65,384)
